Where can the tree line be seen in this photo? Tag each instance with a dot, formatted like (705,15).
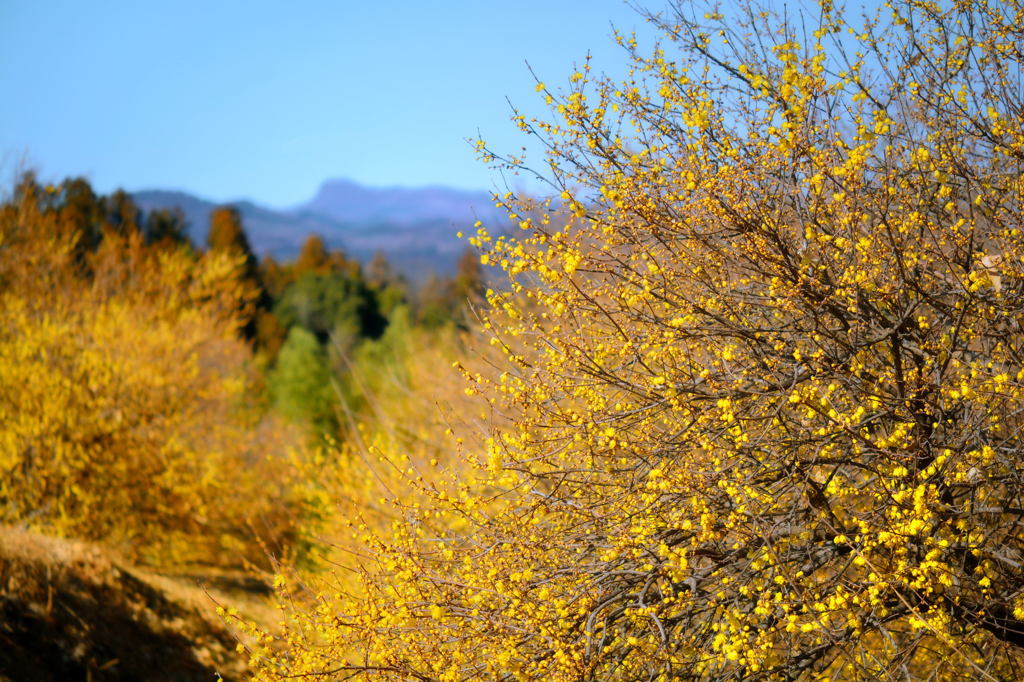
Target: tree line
(304,319)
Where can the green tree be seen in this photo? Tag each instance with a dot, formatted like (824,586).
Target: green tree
(300,383)
(323,303)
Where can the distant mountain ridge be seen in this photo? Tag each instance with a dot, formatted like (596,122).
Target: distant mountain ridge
(350,202)
(414,227)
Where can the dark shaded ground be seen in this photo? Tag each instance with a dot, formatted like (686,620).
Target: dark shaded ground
(70,611)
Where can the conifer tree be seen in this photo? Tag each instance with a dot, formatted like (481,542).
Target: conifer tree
(313,257)
(122,215)
(300,383)
(227,235)
(166,227)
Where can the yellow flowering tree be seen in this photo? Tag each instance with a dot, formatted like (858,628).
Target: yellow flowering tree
(761,409)
(123,412)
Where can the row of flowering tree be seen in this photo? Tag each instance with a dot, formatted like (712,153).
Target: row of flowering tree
(125,391)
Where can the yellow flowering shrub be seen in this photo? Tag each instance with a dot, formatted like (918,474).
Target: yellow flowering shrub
(398,460)
(122,397)
(760,412)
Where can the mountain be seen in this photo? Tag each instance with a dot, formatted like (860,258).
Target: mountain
(275,232)
(350,202)
(414,227)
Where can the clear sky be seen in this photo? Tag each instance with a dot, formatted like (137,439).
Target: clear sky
(233,99)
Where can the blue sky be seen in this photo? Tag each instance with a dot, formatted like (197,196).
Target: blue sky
(267,99)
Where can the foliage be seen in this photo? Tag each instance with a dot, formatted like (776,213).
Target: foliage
(123,388)
(227,235)
(350,312)
(333,303)
(391,288)
(313,257)
(764,385)
(356,488)
(167,227)
(382,360)
(77,213)
(363,323)
(445,301)
(300,382)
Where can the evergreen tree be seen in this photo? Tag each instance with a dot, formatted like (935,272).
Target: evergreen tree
(166,226)
(80,214)
(121,214)
(324,303)
(300,383)
(227,234)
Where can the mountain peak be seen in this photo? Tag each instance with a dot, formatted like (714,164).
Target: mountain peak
(350,202)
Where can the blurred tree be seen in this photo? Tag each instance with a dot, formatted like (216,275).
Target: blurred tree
(166,227)
(121,214)
(275,276)
(442,300)
(390,288)
(80,214)
(434,302)
(340,262)
(379,272)
(270,334)
(313,257)
(123,392)
(323,303)
(226,232)
(468,286)
(227,235)
(300,383)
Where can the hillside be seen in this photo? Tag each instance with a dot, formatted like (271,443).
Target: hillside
(71,610)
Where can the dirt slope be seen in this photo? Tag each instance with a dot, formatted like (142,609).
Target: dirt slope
(74,611)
